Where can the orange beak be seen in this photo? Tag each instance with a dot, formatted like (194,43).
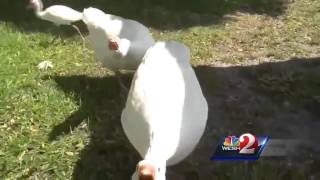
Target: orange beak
(146,172)
(113,45)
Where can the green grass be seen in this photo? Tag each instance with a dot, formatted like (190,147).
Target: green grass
(30,106)
(41,136)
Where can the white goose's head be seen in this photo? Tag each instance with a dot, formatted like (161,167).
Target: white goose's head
(36,5)
(148,170)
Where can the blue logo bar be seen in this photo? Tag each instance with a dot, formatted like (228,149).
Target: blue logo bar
(244,147)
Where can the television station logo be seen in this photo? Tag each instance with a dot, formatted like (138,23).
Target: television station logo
(244,147)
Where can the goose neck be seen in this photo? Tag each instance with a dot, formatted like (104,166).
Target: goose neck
(38,7)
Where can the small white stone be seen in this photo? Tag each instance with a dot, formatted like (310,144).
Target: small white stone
(44,65)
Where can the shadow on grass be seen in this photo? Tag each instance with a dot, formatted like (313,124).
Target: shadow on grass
(279,99)
(160,14)
(100,107)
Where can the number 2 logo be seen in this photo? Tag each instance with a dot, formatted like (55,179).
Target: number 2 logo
(248,144)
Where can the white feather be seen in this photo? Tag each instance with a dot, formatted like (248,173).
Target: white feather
(45,65)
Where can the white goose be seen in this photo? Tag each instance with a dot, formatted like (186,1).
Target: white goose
(118,42)
(57,14)
(166,112)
